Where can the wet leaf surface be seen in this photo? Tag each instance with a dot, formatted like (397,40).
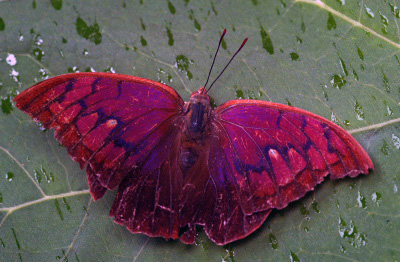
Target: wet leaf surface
(339,59)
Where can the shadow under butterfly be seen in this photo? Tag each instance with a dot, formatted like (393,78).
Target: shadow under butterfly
(178,165)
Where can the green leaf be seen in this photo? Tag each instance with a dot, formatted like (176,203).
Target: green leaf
(339,59)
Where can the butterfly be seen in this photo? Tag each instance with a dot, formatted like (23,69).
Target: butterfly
(179,165)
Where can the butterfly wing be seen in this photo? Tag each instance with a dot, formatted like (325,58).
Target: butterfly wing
(265,155)
(108,122)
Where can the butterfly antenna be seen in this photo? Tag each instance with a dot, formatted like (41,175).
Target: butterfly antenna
(240,48)
(215,56)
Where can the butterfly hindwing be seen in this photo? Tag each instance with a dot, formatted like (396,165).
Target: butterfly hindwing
(278,152)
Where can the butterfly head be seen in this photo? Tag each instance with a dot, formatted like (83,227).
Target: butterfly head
(198,111)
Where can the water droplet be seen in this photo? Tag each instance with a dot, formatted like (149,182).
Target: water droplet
(239,94)
(338,81)
(395,10)
(361,200)
(342,249)
(294,257)
(266,40)
(171,8)
(376,197)
(274,241)
(299,40)
(294,56)
(369,12)
(2,243)
(57,4)
(9,176)
(64,40)
(170,37)
(331,22)
(396,141)
(143,41)
(182,63)
(59,211)
(303,210)
(91,33)
(351,233)
(385,148)
(6,105)
(2,24)
(306,229)
(359,111)
(230,254)
(11,60)
(316,207)
(342,2)
(346,122)
(288,102)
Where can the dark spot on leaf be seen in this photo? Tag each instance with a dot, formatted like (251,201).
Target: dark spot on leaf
(57,4)
(331,22)
(2,24)
(170,37)
(6,105)
(266,40)
(91,33)
(143,41)
(171,8)
(274,241)
(294,56)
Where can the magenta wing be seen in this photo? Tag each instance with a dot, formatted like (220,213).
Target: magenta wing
(265,155)
(110,123)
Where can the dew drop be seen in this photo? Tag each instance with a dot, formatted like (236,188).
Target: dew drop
(197,25)
(288,102)
(11,60)
(299,40)
(182,64)
(294,257)
(303,27)
(359,111)
(9,176)
(385,82)
(369,12)
(142,24)
(316,207)
(239,94)
(306,229)
(342,2)
(342,249)
(376,197)
(331,22)
(223,44)
(343,66)
(64,40)
(395,10)
(266,40)
(213,8)
(355,75)
(396,141)
(274,241)
(2,243)
(338,81)
(361,200)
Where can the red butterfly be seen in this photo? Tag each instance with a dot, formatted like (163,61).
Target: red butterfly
(181,164)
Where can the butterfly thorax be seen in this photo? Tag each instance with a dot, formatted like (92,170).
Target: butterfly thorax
(196,127)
